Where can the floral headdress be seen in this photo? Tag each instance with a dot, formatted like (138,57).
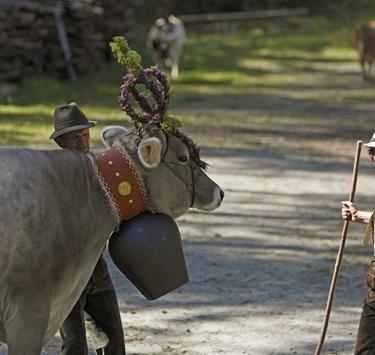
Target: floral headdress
(155,81)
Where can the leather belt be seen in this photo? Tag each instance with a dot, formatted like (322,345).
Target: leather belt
(122,183)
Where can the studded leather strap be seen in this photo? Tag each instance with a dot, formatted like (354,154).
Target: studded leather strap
(122,183)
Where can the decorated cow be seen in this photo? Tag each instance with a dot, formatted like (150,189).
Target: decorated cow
(58,208)
(166,40)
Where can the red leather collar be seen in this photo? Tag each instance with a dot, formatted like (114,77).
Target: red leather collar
(122,183)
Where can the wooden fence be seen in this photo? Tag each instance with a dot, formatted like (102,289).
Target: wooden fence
(232,21)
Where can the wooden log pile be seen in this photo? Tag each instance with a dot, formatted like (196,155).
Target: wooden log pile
(61,39)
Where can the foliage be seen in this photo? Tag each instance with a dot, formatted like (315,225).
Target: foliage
(153,79)
(126,56)
(236,91)
(156,82)
(148,10)
(171,123)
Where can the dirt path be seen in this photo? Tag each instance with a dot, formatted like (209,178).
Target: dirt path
(260,266)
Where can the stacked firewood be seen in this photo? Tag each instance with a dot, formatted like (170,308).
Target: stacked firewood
(62,39)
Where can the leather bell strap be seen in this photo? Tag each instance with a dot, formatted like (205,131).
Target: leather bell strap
(369,234)
(122,183)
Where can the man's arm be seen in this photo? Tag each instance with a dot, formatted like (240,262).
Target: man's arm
(349,211)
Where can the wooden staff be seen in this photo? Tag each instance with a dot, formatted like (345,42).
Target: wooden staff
(340,252)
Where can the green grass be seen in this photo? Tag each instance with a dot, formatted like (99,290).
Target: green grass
(243,90)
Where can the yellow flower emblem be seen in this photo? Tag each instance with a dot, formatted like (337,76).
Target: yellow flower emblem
(124,188)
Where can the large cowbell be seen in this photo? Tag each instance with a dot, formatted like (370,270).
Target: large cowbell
(148,251)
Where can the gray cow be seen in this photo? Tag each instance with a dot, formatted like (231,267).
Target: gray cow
(56,214)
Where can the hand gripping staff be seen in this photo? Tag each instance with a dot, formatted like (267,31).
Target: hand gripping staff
(340,252)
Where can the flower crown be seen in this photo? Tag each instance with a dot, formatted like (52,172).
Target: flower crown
(153,105)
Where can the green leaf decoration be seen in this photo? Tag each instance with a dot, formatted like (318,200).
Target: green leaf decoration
(172,121)
(170,124)
(126,56)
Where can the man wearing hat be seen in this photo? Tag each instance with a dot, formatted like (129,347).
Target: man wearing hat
(365,344)
(98,299)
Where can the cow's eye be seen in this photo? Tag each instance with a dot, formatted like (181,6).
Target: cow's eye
(183,159)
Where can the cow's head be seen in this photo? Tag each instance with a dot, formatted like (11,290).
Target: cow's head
(174,180)
(166,158)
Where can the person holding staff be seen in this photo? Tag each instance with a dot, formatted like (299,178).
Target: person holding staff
(365,342)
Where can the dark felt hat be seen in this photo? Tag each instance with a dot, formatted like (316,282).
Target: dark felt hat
(69,118)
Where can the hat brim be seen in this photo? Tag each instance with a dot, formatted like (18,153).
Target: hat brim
(369,145)
(72,129)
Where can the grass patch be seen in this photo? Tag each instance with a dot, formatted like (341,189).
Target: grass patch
(244,90)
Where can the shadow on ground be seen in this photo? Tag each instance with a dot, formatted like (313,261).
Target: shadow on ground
(264,259)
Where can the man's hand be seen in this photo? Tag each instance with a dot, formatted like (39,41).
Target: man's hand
(350,212)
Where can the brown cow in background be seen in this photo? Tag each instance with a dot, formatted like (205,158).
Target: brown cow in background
(364,38)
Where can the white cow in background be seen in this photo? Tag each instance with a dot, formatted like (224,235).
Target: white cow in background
(166,39)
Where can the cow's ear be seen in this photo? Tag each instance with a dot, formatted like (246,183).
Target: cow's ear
(110,133)
(149,152)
